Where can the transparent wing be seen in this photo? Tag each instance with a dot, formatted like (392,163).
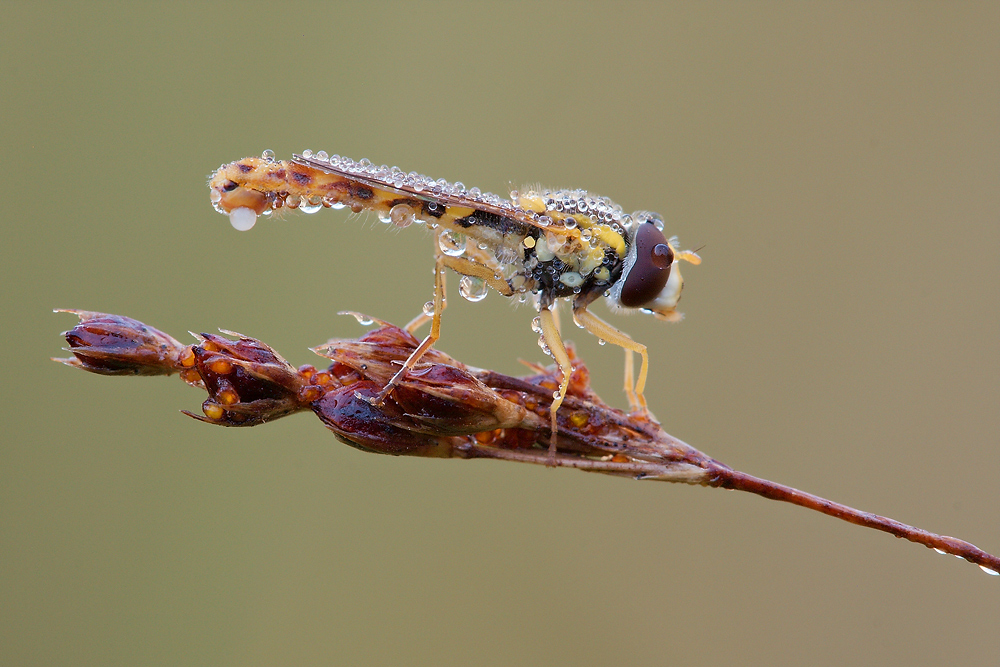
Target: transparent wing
(441,192)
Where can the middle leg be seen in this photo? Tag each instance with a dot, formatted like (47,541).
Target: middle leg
(428,341)
(553,340)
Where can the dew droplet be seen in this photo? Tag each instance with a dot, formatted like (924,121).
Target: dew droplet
(401,215)
(310,206)
(362,319)
(307,153)
(472,289)
(268,155)
(988,571)
(536,325)
(452,243)
(601,341)
(383,216)
(242,218)
(322,155)
(428,308)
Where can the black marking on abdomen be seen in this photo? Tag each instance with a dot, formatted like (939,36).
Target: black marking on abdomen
(432,208)
(501,224)
(362,191)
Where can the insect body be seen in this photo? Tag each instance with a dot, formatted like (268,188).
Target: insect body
(550,244)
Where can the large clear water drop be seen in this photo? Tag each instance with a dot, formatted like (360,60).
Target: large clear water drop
(472,289)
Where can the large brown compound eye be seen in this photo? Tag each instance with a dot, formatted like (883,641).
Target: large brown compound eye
(649,273)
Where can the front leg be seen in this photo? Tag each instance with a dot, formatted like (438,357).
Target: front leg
(604,331)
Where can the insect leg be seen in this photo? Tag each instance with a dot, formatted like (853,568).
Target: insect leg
(419,321)
(550,333)
(633,403)
(604,331)
(555,317)
(463,267)
(467,267)
(426,343)
(423,318)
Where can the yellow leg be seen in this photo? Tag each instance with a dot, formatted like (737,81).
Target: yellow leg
(604,331)
(550,333)
(463,267)
(419,321)
(633,402)
(555,317)
(426,343)
(467,267)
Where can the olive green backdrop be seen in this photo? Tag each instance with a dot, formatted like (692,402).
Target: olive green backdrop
(839,162)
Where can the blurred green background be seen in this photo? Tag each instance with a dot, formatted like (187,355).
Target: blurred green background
(840,162)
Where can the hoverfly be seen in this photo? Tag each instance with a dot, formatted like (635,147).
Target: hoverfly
(549,245)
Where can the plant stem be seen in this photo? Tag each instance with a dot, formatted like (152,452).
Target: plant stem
(726,478)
